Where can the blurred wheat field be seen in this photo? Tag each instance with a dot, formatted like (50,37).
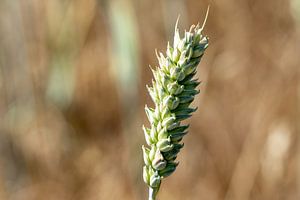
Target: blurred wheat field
(72,96)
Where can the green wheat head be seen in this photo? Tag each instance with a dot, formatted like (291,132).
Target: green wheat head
(173,90)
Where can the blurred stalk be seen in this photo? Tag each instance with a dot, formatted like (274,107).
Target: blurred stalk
(15,72)
(16,92)
(63,46)
(124,59)
(66,40)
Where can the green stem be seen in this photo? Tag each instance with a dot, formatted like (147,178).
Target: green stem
(153,192)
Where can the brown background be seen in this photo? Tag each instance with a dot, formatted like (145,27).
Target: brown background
(72,93)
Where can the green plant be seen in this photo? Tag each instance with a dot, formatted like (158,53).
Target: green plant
(173,89)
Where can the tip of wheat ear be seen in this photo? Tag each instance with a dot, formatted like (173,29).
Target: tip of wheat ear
(173,90)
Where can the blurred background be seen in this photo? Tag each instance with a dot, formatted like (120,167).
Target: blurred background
(72,93)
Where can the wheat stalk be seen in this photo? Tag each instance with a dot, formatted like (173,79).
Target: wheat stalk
(173,89)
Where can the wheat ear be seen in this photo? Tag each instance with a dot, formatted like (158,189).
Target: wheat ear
(173,89)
